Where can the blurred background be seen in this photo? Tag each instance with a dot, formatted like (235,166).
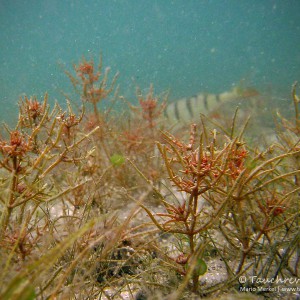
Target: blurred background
(182,46)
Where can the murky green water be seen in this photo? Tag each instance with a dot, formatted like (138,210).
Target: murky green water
(184,46)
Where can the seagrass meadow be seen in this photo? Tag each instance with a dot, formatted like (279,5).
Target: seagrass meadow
(100,203)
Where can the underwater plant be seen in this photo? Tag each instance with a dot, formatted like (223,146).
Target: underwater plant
(92,83)
(100,205)
(139,130)
(248,196)
(41,142)
(39,152)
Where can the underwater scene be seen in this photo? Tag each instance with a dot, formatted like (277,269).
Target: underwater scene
(149,149)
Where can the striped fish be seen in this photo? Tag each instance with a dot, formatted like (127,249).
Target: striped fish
(187,109)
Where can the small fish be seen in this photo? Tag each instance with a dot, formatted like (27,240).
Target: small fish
(187,109)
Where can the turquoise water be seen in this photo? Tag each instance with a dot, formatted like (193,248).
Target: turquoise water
(185,46)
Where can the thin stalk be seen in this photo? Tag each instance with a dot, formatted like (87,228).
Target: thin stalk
(10,199)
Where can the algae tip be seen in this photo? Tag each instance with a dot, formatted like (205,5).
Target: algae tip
(117,160)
